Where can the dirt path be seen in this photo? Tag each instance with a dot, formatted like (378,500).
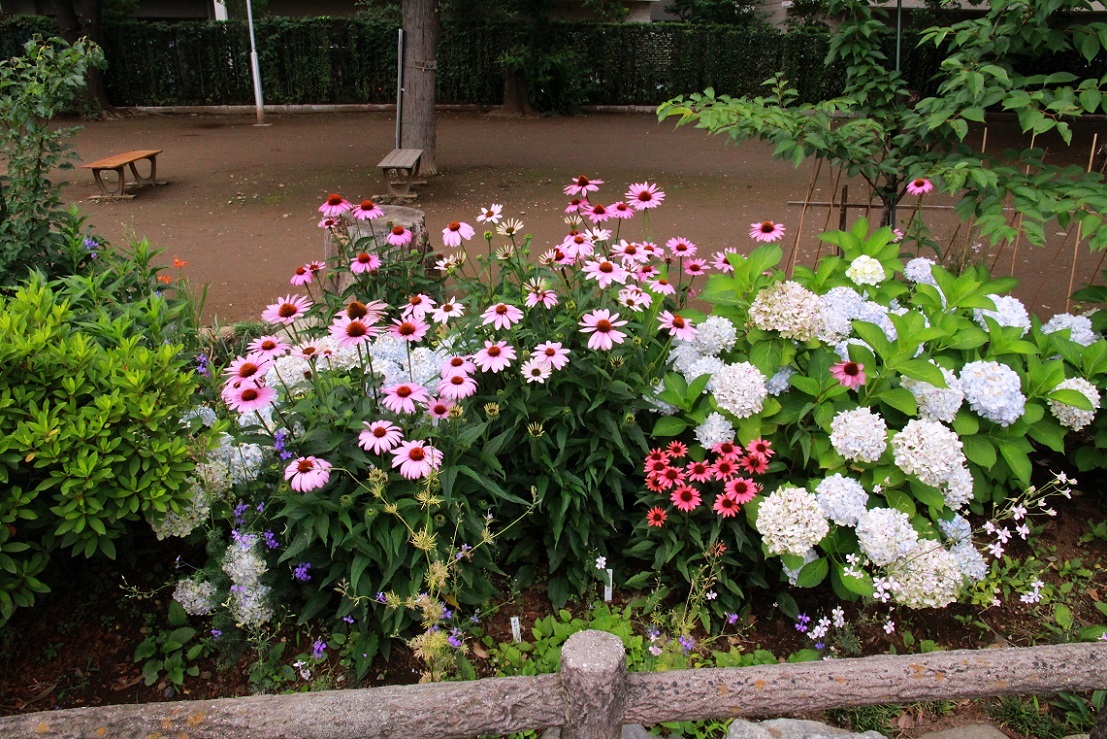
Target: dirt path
(241,203)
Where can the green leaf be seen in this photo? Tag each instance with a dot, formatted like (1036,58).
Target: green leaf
(1063,616)
(669,426)
(979,451)
(1075,398)
(813,573)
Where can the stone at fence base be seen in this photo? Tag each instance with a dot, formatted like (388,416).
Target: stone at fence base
(630,731)
(786,728)
(972,731)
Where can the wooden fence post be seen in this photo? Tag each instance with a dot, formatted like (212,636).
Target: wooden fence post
(594,678)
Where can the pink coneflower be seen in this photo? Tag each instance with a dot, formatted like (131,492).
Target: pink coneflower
(316,266)
(677,325)
(301,276)
(501,315)
(681,247)
(335,206)
(268,347)
(643,195)
(307,351)
(456,232)
(582,186)
(621,210)
(250,367)
(249,396)
(439,408)
(402,397)
(352,331)
(670,477)
(399,236)
(652,484)
(661,286)
(742,489)
(725,505)
(724,469)
(536,369)
(766,231)
(630,254)
(410,329)
(605,273)
(575,205)
(633,298)
(602,324)
(762,447)
(596,212)
(727,449)
(577,244)
(539,294)
(380,437)
(555,256)
(655,467)
(457,365)
(656,517)
(372,311)
(677,450)
(286,309)
(416,459)
(596,235)
(491,214)
(417,307)
(307,473)
(456,387)
(919,186)
(366,210)
(494,357)
(720,262)
(755,463)
(329,223)
(695,267)
(657,454)
(686,499)
(447,310)
(365,262)
(553,354)
(698,471)
(850,374)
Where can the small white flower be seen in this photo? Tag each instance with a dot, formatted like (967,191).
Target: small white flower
(711,595)
(601,563)
(866,271)
(889,626)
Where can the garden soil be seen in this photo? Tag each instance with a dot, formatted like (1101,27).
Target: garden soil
(241,201)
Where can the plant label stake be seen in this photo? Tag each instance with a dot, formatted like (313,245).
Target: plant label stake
(516,630)
(608,587)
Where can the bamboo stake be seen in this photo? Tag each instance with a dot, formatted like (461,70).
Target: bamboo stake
(803,214)
(1018,231)
(1076,244)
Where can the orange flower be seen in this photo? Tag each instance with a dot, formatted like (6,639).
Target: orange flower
(165,278)
(178,263)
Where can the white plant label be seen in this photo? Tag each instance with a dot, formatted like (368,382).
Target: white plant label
(609,587)
(516,630)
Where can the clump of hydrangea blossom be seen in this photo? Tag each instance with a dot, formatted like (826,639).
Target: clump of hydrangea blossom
(1009,312)
(937,403)
(886,535)
(864,270)
(994,391)
(1079,327)
(928,577)
(920,271)
(197,597)
(1069,415)
(739,389)
(244,564)
(788,308)
(928,450)
(859,435)
(842,499)
(791,521)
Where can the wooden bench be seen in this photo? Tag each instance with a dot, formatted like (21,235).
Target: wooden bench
(399,169)
(116,164)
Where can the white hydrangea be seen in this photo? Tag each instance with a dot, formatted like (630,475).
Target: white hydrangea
(182,523)
(840,305)
(1009,312)
(657,405)
(842,499)
(793,574)
(864,270)
(788,308)
(842,348)
(706,365)
(242,462)
(873,312)
(859,435)
(927,578)
(994,391)
(716,335)
(683,355)
(958,490)
(919,271)
(1069,415)
(791,521)
(1080,328)
(197,598)
(204,413)
(936,403)
(740,389)
(244,563)
(885,535)
(778,383)
(928,450)
(714,430)
(970,562)
(957,529)
(214,477)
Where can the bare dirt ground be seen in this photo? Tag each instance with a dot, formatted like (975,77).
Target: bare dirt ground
(241,201)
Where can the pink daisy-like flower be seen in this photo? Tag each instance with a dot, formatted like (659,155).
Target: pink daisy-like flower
(417,307)
(399,236)
(577,244)
(456,387)
(634,298)
(457,365)
(762,447)
(575,205)
(919,186)
(307,351)
(366,210)
(695,267)
(494,357)
(365,262)
(286,310)
(536,369)
(656,517)
(307,473)
(681,247)
(602,324)
(766,231)
(661,286)
(456,232)
(501,315)
(724,469)
(402,397)
(677,325)
(755,463)
(553,353)
(539,294)
(727,449)
(380,437)
(447,310)
(316,266)
(335,206)
(686,499)
(677,449)
(302,276)
(491,214)
(630,254)
(409,329)
(850,374)
(439,408)
(655,467)
(725,505)
(250,367)
(652,484)
(555,256)
(720,262)
(249,396)
(329,223)
(605,273)
(596,235)
(621,210)
(268,346)
(698,471)
(643,196)
(670,477)
(416,459)
(372,311)
(742,489)
(582,186)
(352,331)
(596,212)
(657,454)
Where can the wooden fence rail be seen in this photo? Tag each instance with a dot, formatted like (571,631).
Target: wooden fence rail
(591,697)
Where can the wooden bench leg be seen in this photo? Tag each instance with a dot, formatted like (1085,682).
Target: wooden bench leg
(152,179)
(398,180)
(119,190)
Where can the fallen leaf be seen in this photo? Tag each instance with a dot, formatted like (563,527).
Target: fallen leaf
(123,682)
(905,720)
(478,651)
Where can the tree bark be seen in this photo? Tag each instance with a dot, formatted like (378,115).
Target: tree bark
(516,96)
(77,18)
(417,124)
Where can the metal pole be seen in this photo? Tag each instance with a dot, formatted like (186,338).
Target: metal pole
(254,69)
(899,29)
(399,86)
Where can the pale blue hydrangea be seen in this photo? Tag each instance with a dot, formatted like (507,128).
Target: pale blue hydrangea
(715,429)
(706,365)
(842,348)
(919,271)
(193,511)
(1009,312)
(957,529)
(204,413)
(778,383)
(1069,415)
(885,535)
(842,499)
(970,562)
(994,391)
(657,405)
(936,403)
(793,574)
(716,335)
(1080,328)
(859,435)
(959,488)
(244,564)
(683,355)
(873,312)
(839,306)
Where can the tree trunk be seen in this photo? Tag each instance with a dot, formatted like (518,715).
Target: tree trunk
(516,96)
(77,18)
(417,130)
